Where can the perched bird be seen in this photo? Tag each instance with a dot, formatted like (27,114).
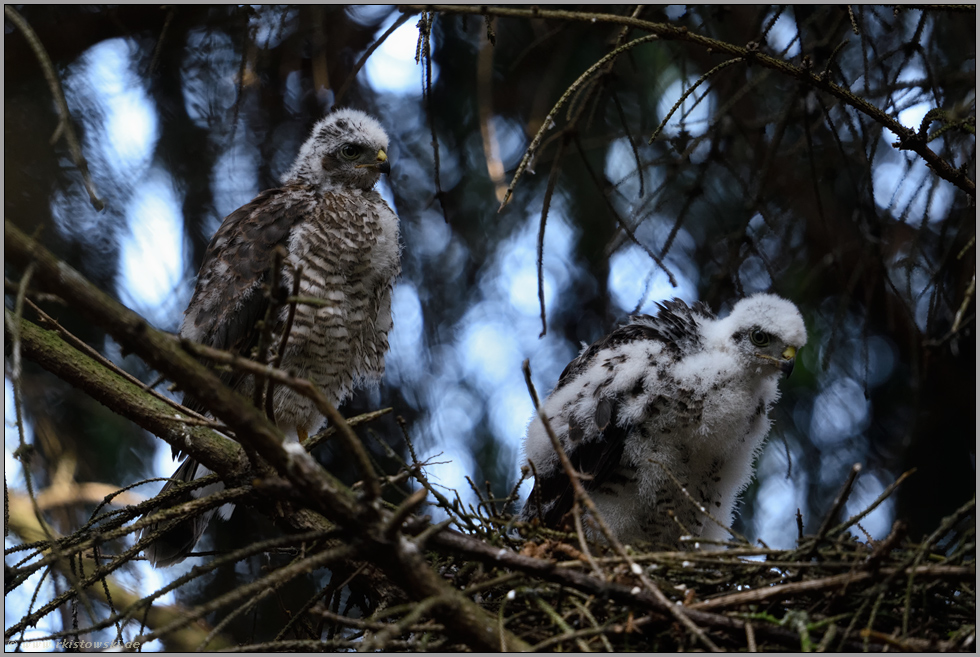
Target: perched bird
(684,392)
(341,238)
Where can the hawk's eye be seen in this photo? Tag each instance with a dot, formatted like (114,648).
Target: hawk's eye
(759,338)
(350,151)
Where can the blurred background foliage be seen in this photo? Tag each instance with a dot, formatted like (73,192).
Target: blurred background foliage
(755,181)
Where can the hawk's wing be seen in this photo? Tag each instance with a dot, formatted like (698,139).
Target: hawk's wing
(599,455)
(674,325)
(229,298)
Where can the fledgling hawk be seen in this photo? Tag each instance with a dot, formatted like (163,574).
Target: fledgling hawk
(342,237)
(683,390)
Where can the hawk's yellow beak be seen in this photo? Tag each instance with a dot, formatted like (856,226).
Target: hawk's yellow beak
(384,166)
(789,359)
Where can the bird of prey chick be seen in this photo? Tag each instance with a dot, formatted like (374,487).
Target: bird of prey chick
(682,392)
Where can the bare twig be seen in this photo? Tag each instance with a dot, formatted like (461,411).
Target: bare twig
(548,122)
(363,60)
(907,139)
(65,126)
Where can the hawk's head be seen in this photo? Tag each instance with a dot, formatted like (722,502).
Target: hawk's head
(347,149)
(766,332)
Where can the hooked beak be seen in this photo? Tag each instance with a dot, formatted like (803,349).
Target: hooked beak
(789,359)
(785,363)
(384,166)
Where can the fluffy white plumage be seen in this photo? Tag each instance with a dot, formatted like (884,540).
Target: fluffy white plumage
(322,163)
(337,231)
(682,390)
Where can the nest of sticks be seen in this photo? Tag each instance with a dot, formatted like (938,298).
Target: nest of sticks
(833,592)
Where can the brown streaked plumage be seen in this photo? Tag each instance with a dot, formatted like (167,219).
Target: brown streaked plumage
(337,231)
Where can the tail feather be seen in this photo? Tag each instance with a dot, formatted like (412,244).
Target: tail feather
(176,544)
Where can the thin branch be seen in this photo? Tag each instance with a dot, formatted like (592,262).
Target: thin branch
(548,122)
(65,126)
(907,138)
(552,181)
(688,92)
(363,60)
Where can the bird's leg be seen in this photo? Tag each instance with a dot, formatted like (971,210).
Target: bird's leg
(302,434)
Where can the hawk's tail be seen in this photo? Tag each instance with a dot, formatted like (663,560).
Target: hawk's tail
(176,544)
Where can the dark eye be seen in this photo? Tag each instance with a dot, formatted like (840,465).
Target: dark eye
(350,151)
(759,338)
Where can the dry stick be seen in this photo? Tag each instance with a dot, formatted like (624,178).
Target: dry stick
(277,362)
(688,92)
(967,297)
(491,499)
(119,561)
(268,319)
(750,637)
(64,116)
(556,618)
(315,441)
(584,610)
(552,180)
(577,635)
(481,503)
(907,138)
(629,137)
(549,119)
(582,496)
(249,40)
(946,525)
(416,471)
(320,645)
(163,33)
(584,544)
(842,496)
(874,505)
(363,60)
(401,514)
(259,588)
(361,624)
(824,583)
(619,220)
(423,50)
(307,389)
(882,549)
(380,640)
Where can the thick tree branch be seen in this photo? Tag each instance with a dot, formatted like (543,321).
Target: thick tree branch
(50,351)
